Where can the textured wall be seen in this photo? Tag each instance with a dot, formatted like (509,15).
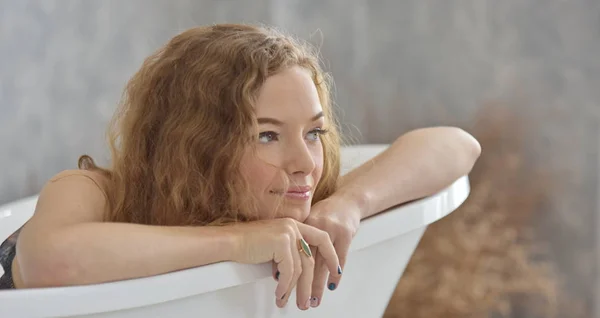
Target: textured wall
(397,64)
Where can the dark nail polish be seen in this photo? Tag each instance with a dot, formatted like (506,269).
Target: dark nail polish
(282,297)
(277,275)
(339,270)
(331,286)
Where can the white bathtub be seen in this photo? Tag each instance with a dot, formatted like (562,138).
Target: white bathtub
(378,256)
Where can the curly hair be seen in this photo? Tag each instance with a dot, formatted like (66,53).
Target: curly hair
(186,117)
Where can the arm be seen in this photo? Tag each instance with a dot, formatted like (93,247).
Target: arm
(65,242)
(418,164)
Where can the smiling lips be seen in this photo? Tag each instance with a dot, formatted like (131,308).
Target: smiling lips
(296,193)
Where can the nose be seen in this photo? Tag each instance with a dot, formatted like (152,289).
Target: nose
(299,159)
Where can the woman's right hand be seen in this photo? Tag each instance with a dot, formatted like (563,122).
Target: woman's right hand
(277,240)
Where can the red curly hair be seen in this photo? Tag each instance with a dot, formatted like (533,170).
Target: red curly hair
(185,119)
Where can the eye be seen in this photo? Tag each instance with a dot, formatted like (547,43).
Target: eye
(314,134)
(267,136)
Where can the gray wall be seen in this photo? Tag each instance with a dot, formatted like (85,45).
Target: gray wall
(397,64)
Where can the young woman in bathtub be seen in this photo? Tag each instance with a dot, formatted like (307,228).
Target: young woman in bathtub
(225,149)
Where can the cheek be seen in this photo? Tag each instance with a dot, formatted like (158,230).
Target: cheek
(318,158)
(259,174)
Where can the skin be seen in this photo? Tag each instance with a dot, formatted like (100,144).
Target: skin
(66,242)
(289,147)
(418,164)
(76,241)
(290,120)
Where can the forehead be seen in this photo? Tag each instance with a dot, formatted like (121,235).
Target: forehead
(289,94)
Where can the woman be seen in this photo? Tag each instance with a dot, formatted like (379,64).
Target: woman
(225,149)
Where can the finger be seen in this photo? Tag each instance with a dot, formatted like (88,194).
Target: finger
(314,250)
(285,266)
(304,287)
(275,270)
(319,267)
(319,279)
(295,273)
(342,245)
(321,240)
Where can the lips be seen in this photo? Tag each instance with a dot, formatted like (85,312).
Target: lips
(296,192)
(302,189)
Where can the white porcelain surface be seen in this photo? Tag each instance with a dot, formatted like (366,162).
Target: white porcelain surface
(378,256)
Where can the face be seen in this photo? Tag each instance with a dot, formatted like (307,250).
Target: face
(290,123)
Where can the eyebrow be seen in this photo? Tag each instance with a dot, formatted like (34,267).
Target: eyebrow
(266,120)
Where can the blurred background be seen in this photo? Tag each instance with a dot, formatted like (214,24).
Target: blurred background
(523,76)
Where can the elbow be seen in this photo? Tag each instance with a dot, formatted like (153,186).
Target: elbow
(472,146)
(467,150)
(459,148)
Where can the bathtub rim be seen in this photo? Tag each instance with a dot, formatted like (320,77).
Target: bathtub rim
(130,294)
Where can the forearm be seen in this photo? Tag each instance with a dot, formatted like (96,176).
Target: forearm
(418,164)
(101,252)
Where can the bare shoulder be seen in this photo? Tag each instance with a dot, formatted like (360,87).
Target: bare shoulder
(78,174)
(70,197)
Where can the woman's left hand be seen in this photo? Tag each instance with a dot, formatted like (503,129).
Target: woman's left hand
(339,216)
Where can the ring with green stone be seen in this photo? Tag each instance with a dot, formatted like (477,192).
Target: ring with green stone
(304,248)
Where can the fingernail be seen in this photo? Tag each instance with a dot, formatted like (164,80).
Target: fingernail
(339,270)
(307,305)
(277,275)
(331,286)
(282,297)
(314,302)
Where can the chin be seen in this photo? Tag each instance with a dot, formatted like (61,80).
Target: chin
(297,213)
